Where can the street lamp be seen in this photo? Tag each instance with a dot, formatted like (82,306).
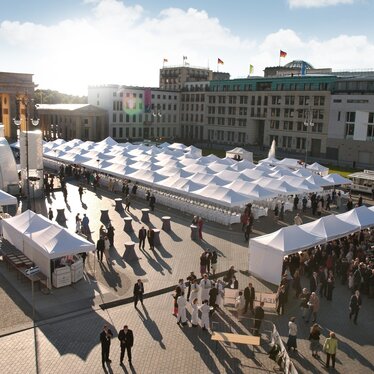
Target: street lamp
(307,123)
(30,116)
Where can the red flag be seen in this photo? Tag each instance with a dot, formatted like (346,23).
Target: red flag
(282,53)
(220,61)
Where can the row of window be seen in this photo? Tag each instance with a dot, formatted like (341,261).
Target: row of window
(268,86)
(137,132)
(350,130)
(242,122)
(193,97)
(295,126)
(140,95)
(148,117)
(192,107)
(192,117)
(229,136)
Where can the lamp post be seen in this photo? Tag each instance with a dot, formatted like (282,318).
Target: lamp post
(30,116)
(307,123)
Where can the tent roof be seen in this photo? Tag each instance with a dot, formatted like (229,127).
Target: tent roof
(337,179)
(318,180)
(288,240)
(330,227)
(238,151)
(7,199)
(55,241)
(361,216)
(318,167)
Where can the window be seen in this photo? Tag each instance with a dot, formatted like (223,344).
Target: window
(290,100)
(114,117)
(231,121)
(121,132)
(371,117)
(339,116)
(370,133)
(349,130)
(350,117)
(121,118)
(114,132)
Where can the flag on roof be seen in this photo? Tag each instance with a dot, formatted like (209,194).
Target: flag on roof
(282,53)
(251,68)
(165,60)
(219,61)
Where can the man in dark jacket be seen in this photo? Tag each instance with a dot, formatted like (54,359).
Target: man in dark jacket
(142,235)
(126,338)
(249,296)
(314,282)
(354,306)
(259,316)
(100,246)
(105,336)
(138,292)
(151,238)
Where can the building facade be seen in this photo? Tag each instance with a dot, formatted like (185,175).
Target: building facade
(73,121)
(13,87)
(137,113)
(351,125)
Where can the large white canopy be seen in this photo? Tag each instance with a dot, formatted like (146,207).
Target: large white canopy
(361,216)
(294,238)
(330,227)
(318,168)
(266,252)
(41,240)
(337,179)
(245,155)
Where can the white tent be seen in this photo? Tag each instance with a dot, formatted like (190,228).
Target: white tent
(302,173)
(337,179)
(266,252)
(291,163)
(371,208)
(252,190)
(242,165)
(361,216)
(269,160)
(329,228)
(7,199)
(242,153)
(41,240)
(319,181)
(318,168)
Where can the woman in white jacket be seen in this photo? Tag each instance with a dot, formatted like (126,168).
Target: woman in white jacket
(194,290)
(195,313)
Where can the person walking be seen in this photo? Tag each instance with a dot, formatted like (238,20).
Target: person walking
(105,337)
(110,234)
(296,283)
(152,202)
(151,238)
(304,297)
(314,282)
(203,260)
(281,299)
(200,224)
(319,208)
(181,317)
(330,347)
(80,192)
(208,256)
(195,313)
(86,226)
(313,305)
(194,290)
(205,286)
(220,293)
(127,203)
(249,296)
(330,285)
(297,220)
(213,262)
(190,278)
(100,246)
(259,315)
(292,334)
(354,306)
(78,224)
(141,236)
(138,292)
(205,309)
(176,294)
(213,292)
(314,336)
(126,338)
(50,214)
(102,231)
(106,250)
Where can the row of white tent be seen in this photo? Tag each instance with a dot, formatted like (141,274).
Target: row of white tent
(266,252)
(41,240)
(182,170)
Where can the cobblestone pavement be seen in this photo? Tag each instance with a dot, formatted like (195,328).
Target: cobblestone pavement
(161,346)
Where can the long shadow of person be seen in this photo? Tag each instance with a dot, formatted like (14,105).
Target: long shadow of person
(151,326)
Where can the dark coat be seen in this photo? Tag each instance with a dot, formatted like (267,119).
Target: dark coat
(249,293)
(105,339)
(138,288)
(142,234)
(259,313)
(127,340)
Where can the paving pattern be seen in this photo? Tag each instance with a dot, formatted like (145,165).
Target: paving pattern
(69,320)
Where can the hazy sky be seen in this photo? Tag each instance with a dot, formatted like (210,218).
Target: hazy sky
(69,44)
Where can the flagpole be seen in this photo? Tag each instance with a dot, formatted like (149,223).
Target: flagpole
(217,67)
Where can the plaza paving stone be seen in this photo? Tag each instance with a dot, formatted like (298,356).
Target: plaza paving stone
(70,319)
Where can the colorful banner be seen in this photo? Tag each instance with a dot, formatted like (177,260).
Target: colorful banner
(147,100)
